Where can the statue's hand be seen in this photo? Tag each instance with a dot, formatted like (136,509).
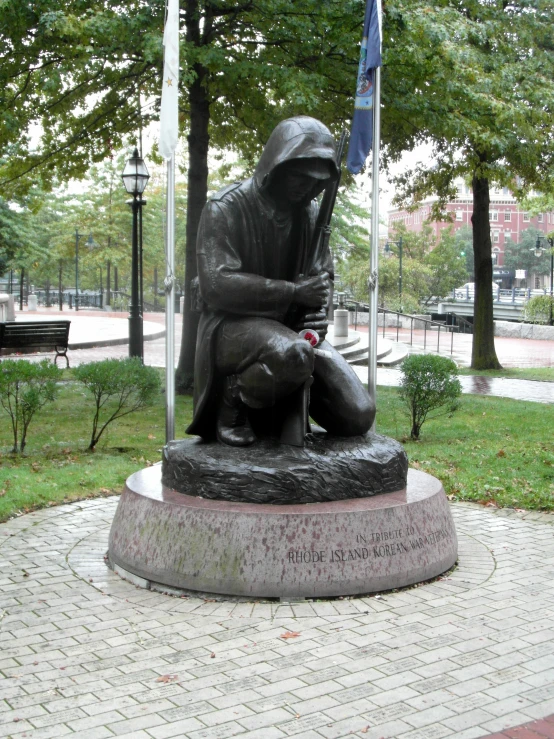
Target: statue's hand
(314,321)
(312,292)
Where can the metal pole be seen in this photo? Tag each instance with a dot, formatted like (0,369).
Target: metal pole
(108,281)
(170,305)
(60,291)
(551,244)
(141,293)
(77,237)
(135,347)
(374,252)
(400,271)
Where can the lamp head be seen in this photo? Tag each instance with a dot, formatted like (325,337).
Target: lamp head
(538,250)
(135,175)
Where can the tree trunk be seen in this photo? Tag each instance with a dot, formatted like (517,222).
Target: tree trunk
(198,141)
(483,355)
(21,286)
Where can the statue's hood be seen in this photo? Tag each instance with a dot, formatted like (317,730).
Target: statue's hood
(301,137)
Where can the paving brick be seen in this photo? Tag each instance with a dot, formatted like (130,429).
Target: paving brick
(479,646)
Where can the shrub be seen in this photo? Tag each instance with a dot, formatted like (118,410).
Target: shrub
(119,387)
(539,309)
(25,387)
(428,383)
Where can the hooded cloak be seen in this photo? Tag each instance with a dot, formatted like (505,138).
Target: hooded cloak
(242,235)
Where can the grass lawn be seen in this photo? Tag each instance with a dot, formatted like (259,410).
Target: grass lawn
(541,374)
(492,450)
(57,467)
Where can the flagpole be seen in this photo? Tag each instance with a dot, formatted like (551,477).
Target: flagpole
(169,136)
(170,305)
(374,244)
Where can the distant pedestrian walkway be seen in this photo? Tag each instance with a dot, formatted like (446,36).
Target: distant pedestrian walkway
(538,392)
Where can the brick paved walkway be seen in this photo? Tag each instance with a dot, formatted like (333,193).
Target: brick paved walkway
(88,654)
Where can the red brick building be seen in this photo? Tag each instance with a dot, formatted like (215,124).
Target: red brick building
(507,218)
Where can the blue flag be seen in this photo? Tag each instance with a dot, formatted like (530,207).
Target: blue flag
(361,136)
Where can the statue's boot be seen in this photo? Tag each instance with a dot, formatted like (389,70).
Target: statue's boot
(233,427)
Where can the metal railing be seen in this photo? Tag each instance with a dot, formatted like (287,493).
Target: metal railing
(514,295)
(428,325)
(457,324)
(84,300)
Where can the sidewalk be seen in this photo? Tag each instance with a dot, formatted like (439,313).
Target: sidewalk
(87,654)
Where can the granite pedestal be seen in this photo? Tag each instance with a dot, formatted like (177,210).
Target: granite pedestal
(343,547)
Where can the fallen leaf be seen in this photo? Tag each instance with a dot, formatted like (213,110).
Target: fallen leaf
(501,453)
(212,655)
(151,436)
(166,678)
(290,635)
(364,731)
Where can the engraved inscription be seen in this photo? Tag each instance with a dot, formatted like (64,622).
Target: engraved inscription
(374,545)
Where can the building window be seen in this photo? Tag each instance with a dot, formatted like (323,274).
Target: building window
(459,215)
(507,235)
(507,215)
(541,217)
(493,215)
(526,217)
(537,282)
(495,237)
(505,191)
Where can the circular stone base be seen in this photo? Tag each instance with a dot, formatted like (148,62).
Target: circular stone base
(326,468)
(314,550)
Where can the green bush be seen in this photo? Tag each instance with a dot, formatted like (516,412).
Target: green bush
(119,387)
(25,387)
(539,309)
(429,382)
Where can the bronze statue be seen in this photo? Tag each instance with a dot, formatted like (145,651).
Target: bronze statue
(261,281)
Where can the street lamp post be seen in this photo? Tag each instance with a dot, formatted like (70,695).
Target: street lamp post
(539,249)
(135,176)
(90,244)
(388,251)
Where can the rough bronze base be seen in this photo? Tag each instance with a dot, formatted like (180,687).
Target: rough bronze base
(347,547)
(328,468)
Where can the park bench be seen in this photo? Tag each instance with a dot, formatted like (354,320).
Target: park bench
(25,335)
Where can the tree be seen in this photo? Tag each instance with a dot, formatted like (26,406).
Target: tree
(25,387)
(119,387)
(522,255)
(431,268)
(245,66)
(428,382)
(464,243)
(477,80)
